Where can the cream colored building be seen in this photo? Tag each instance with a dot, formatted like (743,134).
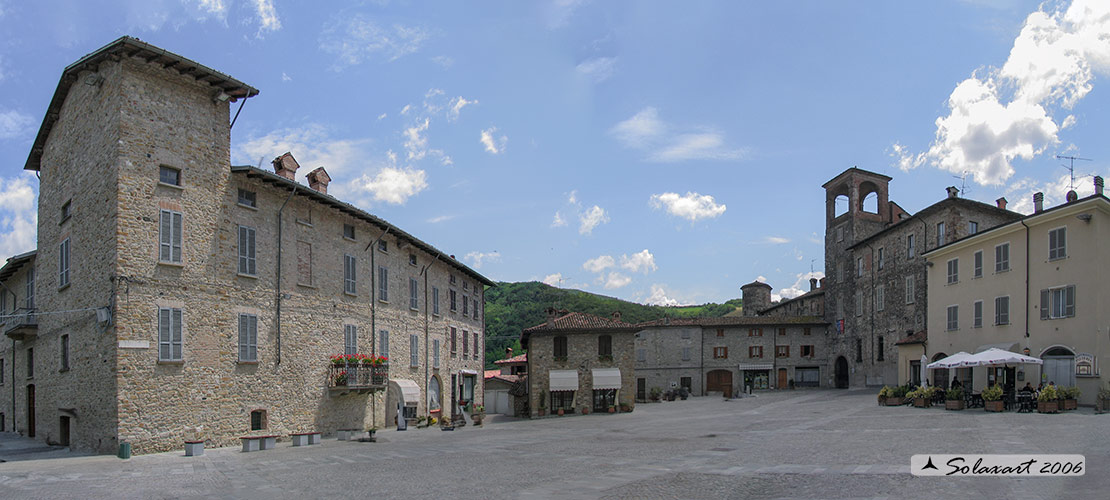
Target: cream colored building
(1039,285)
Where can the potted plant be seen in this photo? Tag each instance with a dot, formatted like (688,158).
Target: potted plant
(884,393)
(559,412)
(954,399)
(585,410)
(992,398)
(541,410)
(479,414)
(1048,400)
(896,395)
(341,378)
(656,393)
(612,409)
(1102,400)
(1069,397)
(922,397)
(625,408)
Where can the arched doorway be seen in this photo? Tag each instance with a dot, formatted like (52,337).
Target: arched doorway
(940,376)
(841,373)
(1059,366)
(719,381)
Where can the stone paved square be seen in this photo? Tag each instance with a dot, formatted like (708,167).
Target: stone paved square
(790,444)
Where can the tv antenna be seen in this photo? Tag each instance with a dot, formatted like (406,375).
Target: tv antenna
(1071,167)
(963,182)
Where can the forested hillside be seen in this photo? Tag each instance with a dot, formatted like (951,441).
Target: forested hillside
(512,307)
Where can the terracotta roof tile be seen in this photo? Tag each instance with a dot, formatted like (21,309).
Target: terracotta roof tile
(735,321)
(519,358)
(581,321)
(917,338)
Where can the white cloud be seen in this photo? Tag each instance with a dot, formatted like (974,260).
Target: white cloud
(591,218)
(572,198)
(659,297)
(405,110)
(616,280)
(215,7)
(642,261)
(560,11)
(598,264)
(444,61)
(267,16)
(357,38)
(393,185)
(14,124)
(999,115)
(415,143)
(553,279)
(692,206)
(647,132)
(311,145)
(558,221)
(777,240)
(441,218)
(19,217)
(382,116)
(285,77)
(476,259)
(456,106)
(598,69)
(493,144)
(800,286)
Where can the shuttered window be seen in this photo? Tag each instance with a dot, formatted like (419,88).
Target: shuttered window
(248,337)
(350,274)
(414,350)
(247,262)
(169,236)
(169,334)
(413,302)
(1058,243)
(350,339)
(383,343)
(1058,302)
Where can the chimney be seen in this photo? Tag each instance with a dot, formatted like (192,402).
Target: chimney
(616,315)
(551,313)
(822,283)
(812,284)
(286,166)
(318,180)
(1001,202)
(952,191)
(508,352)
(1098,184)
(1038,202)
(1071,196)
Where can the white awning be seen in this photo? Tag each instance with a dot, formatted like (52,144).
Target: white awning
(410,392)
(756,366)
(468,372)
(1005,346)
(607,378)
(563,380)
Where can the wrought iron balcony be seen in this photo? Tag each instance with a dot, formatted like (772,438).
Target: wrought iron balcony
(21,324)
(357,377)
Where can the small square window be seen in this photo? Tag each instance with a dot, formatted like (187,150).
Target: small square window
(348,231)
(383,246)
(248,198)
(169,175)
(66,210)
(412,259)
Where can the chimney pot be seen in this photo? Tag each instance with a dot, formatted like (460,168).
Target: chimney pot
(1001,202)
(812,284)
(822,283)
(286,166)
(318,180)
(1038,202)
(616,315)
(1098,184)
(952,191)
(1071,196)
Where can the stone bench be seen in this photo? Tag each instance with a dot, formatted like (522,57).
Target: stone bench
(256,443)
(194,448)
(350,434)
(305,438)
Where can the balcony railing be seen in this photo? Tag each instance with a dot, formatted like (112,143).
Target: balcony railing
(357,377)
(21,324)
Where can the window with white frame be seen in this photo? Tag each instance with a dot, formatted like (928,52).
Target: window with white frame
(1002,310)
(435,353)
(940,234)
(169,236)
(63,264)
(414,350)
(686,354)
(1058,302)
(953,271)
(880,298)
(953,318)
(350,339)
(248,337)
(977,267)
(350,274)
(414,304)
(435,301)
(247,260)
(1058,243)
(169,175)
(882,258)
(972,227)
(977,314)
(1002,258)
(169,334)
(909,290)
(910,250)
(383,343)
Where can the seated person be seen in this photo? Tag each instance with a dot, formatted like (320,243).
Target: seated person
(1028,387)
(956,383)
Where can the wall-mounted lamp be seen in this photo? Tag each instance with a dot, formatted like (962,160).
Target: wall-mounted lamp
(221,96)
(1084,217)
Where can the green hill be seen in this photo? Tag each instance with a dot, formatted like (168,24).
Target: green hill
(512,307)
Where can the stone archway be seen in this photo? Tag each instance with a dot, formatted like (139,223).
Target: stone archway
(841,371)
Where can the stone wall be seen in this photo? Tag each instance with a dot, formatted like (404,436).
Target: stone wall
(663,352)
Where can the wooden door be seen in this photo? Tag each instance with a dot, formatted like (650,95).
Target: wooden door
(719,381)
(782,378)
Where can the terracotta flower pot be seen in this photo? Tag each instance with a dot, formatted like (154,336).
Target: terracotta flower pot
(1048,406)
(954,405)
(612,409)
(560,412)
(993,406)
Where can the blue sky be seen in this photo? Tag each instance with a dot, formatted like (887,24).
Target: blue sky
(661,152)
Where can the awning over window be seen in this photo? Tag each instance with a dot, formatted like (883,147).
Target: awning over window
(563,380)
(607,378)
(464,371)
(1005,346)
(756,366)
(410,392)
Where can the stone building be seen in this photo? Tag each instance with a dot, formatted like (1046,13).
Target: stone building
(1038,286)
(176,295)
(579,361)
(875,292)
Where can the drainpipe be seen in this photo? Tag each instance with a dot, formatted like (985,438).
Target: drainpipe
(427,378)
(277,301)
(1026,277)
(373,318)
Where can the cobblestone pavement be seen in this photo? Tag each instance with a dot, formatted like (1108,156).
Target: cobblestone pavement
(795,444)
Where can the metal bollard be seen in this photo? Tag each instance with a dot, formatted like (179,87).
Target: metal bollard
(124,451)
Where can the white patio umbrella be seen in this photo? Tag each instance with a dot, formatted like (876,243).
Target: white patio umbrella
(996,356)
(924,369)
(953,361)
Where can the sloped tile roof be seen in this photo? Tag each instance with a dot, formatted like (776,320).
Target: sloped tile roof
(519,358)
(917,338)
(735,321)
(580,322)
